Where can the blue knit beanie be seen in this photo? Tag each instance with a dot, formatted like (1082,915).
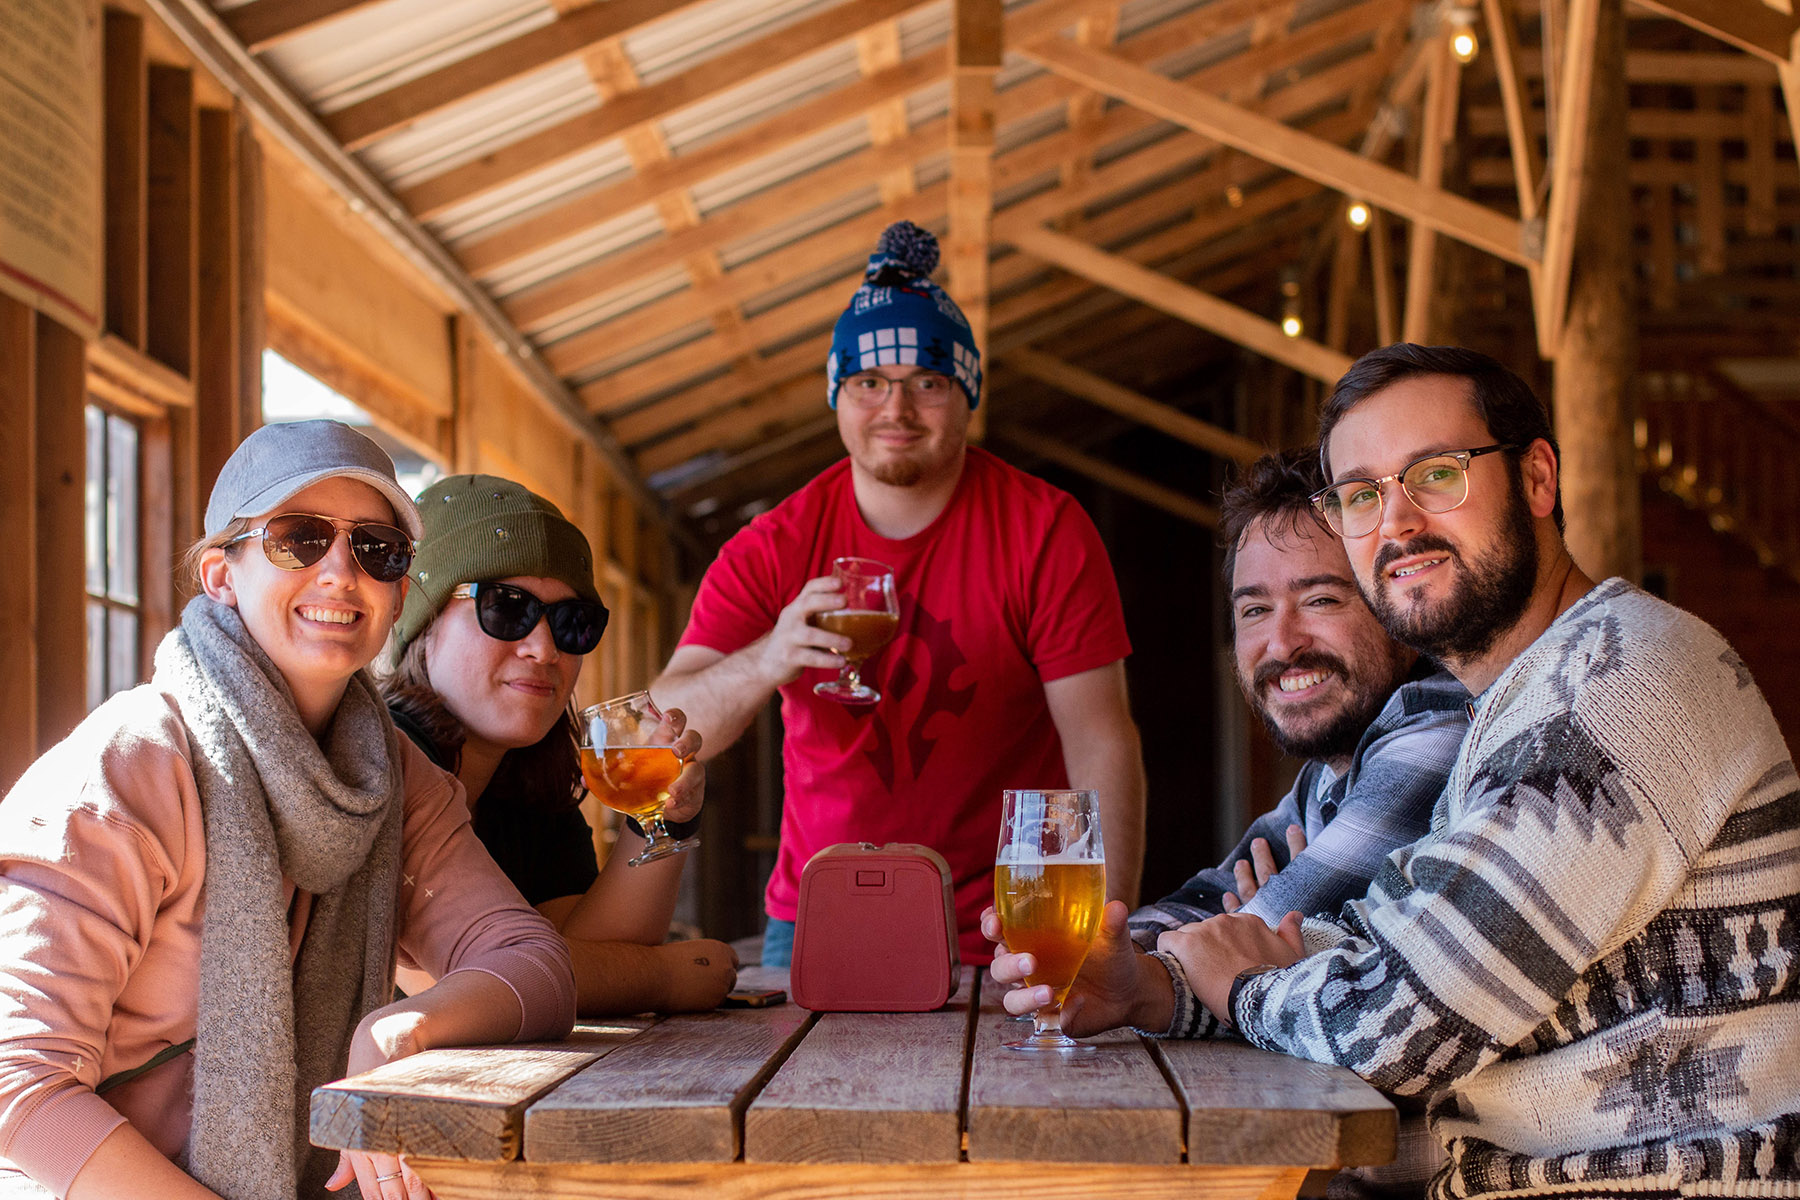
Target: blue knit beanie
(899,316)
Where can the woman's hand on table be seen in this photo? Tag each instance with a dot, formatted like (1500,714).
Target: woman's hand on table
(696,974)
(1116,986)
(383,1036)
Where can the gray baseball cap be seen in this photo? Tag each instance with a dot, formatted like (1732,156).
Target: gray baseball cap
(278,461)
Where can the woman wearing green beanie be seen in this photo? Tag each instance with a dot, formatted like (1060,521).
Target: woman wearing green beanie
(501,614)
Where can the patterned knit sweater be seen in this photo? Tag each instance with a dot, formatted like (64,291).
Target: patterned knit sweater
(1588,969)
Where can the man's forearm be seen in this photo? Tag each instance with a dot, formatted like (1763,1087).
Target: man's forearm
(720,699)
(1116,770)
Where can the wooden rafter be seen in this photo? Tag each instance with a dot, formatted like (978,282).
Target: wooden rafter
(878,49)
(264,23)
(1747,24)
(811,254)
(588,209)
(718,74)
(1159,291)
(1576,79)
(1283,146)
(1069,378)
(576,30)
(1107,475)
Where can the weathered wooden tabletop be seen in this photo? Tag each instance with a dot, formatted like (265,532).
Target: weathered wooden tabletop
(783,1103)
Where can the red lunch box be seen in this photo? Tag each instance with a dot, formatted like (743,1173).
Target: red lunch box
(876,930)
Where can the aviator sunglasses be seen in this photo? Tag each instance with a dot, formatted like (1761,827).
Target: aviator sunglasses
(295,541)
(509,614)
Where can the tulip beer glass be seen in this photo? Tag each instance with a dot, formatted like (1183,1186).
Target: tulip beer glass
(628,760)
(870,618)
(1049,888)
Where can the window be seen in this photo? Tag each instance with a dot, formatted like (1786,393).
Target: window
(114,597)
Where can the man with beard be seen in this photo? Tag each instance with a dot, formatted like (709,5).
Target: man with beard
(1587,972)
(1378,727)
(1007,670)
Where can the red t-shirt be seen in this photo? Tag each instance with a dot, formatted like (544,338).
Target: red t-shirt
(1008,589)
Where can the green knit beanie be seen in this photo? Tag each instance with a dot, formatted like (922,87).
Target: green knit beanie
(482,527)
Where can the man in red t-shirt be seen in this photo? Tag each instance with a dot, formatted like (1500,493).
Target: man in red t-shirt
(1008,667)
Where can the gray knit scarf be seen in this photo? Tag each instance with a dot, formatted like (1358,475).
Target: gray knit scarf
(327,814)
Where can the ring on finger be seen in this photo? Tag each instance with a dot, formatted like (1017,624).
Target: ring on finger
(385,1178)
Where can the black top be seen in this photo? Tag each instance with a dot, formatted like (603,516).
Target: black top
(545,854)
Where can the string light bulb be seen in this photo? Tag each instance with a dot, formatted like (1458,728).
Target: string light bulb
(1291,325)
(1464,45)
(1234,196)
(1357,215)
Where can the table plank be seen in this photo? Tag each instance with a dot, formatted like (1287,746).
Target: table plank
(940,1181)
(676,1094)
(1247,1105)
(456,1103)
(1111,1106)
(869,1088)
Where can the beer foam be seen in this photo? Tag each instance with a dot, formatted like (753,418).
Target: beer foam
(1023,856)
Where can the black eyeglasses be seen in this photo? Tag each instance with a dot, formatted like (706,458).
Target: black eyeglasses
(510,613)
(295,541)
(1435,483)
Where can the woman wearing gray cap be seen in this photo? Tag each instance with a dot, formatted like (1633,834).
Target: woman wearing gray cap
(204,887)
(502,614)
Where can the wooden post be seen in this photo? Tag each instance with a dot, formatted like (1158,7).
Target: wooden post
(1438,127)
(61,479)
(18,509)
(975,35)
(1597,352)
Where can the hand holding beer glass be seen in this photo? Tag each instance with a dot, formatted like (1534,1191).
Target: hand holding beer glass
(629,761)
(870,618)
(1049,888)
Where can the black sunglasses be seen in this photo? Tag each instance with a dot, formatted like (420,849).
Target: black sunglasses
(295,541)
(510,613)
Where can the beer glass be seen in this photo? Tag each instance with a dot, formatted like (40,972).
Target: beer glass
(870,618)
(1049,888)
(628,760)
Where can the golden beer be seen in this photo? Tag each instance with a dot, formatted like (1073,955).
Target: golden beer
(867,630)
(634,780)
(1050,909)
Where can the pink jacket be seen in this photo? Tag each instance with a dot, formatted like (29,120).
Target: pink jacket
(102,892)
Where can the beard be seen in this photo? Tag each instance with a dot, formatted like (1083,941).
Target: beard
(1340,732)
(900,472)
(1486,599)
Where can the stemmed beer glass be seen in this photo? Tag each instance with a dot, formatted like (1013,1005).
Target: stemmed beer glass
(628,760)
(870,618)
(1049,888)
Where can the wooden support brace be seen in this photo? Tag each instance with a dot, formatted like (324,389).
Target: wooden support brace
(1528,166)
(1069,378)
(1439,125)
(975,34)
(1159,291)
(1285,147)
(1108,475)
(1749,25)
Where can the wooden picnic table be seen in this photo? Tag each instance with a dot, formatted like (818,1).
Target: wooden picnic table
(781,1102)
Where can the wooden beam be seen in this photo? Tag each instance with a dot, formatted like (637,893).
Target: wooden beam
(18,511)
(264,23)
(576,30)
(172,222)
(815,252)
(1749,25)
(1789,74)
(1208,312)
(284,121)
(1107,475)
(1285,147)
(975,39)
(736,66)
(878,49)
(715,395)
(1568,152)
(1067,377)
(59,454)
(217,371)
(793,439)
(1437,128)
(1381,270)
(127,136)
(1528,165)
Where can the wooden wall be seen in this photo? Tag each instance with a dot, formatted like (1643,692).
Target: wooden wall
(218,242)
